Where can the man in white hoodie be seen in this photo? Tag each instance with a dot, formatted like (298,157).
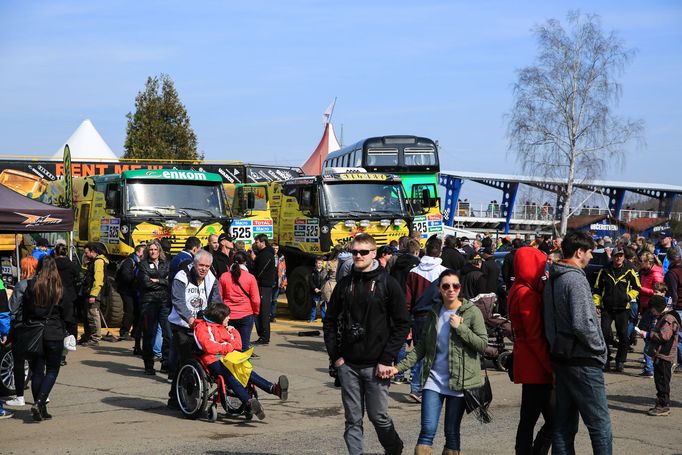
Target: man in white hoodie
(418,281)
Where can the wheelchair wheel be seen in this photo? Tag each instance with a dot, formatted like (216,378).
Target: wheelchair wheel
(192,389)
(212,413)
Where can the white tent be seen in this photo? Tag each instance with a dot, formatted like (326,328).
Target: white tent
(86,143)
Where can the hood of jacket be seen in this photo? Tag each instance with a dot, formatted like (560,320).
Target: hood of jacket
(103,257)
(529,267)
(559,268)
(429,263)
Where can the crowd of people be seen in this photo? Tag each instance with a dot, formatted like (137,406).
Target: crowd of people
(396,313)
(177,299)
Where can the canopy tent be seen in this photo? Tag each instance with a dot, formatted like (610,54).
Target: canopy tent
(86,143)
(328,143)
(20,214)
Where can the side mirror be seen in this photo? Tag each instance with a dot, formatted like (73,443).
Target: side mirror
(426,198)
(250,200)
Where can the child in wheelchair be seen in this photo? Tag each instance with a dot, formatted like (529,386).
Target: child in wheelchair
(216,339)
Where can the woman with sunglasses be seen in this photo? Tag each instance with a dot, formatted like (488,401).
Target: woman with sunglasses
(453,338)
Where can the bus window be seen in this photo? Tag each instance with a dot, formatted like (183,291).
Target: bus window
(357,158)
(382,157)
(420,157)
(346,160)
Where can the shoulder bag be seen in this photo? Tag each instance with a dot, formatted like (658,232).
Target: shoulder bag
(28,337)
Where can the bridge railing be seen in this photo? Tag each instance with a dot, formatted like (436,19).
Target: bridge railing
(547,212)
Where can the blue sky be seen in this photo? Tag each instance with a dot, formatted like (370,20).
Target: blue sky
(256,76)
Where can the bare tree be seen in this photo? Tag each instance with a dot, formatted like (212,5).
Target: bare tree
(562,124)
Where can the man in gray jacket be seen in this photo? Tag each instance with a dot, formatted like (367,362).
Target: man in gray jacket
(577,349)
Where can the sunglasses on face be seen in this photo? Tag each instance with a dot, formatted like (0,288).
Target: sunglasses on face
(454,286)
(360,252)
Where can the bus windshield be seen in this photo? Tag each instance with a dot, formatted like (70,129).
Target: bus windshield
(175,198)
(357,198)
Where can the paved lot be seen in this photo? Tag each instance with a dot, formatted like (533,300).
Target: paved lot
(103,404)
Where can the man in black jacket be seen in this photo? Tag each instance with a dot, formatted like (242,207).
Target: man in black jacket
(451,256)
(265,271)
(365,326)
(222,257)
(616,286)
(125,285)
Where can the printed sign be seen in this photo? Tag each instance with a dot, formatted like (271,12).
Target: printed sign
(306,230)
(246,229)
(427,225)
(109,229)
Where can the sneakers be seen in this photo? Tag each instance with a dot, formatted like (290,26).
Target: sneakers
(5,414)
(659,412)
(281,389)
(125,337)
(16,402)
(90,344)
(261,341)
(415,396)
(645,374)
(255,407)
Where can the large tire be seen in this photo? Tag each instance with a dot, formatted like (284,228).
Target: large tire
(299,294)
(112,306)
(7,371)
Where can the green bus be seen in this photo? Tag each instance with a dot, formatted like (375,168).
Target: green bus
(414,159)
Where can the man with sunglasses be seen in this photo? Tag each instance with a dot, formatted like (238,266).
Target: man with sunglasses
(365,327)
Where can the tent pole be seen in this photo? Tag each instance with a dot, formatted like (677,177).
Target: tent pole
(16,245)
(71,245)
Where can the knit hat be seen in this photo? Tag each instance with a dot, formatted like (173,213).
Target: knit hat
(657,302)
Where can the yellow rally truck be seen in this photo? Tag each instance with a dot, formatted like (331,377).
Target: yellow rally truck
(124,210)
(313,214)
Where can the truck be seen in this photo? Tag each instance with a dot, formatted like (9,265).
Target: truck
(313,214)
(124,210)
(32,175)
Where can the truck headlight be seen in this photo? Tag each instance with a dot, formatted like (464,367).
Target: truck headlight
(349,223)
(398,222)
(385,223)
(365,223)
(195,224)
(170,224)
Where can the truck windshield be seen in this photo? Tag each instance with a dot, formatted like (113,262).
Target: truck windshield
(373,198)
(176,198)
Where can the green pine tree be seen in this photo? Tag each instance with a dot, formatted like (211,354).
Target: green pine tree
(160,127)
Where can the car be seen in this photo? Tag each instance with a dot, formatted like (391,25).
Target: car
(7,371)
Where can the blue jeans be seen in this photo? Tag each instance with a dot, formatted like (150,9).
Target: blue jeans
(432,402)
(273,306)
(45,369)
(417,327)
(318,302)
(236,386)
(158,341)
(634,312)
(244,326)
(679,344)
(580,392)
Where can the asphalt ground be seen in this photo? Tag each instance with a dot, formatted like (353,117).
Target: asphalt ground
(104,404)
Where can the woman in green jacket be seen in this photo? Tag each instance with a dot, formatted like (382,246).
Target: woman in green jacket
(454,336)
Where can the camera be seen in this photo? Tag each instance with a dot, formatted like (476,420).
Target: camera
(356,332)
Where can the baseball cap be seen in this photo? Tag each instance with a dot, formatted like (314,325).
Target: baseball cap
(657,302)
(42,242)
(666,233)
(224,236)
(617,251)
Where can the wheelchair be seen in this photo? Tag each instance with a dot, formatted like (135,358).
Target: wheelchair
(199,391)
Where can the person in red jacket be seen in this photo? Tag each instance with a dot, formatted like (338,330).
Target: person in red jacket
(239,291)
(532,364)
(650,272)
(217,339)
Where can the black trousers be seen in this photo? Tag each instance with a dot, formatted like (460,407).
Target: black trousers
(263,319)
(621,318)
(662,374)
(128,321)
(536,399)
(19,371)
(183,345)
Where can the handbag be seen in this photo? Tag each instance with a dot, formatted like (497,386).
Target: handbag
(28,336)
(478,400)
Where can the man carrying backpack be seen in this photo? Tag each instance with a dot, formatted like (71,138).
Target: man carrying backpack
(125,285)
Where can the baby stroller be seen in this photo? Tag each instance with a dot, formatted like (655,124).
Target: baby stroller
(498,328)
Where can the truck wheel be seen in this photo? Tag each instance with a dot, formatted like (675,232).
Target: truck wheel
(112,306)
(299,294)
(7,371)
